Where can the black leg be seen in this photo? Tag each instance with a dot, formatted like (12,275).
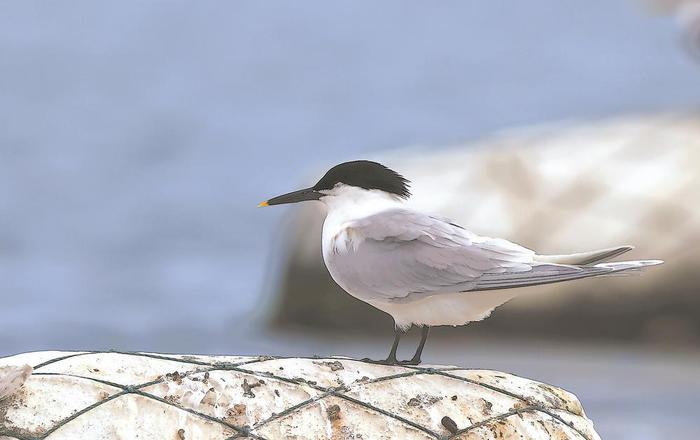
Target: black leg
(391,359)
(415,360)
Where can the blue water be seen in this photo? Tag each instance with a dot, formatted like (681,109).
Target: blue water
(137,137)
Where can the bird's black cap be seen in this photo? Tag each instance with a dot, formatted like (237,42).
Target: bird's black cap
(365,174)
(360,173)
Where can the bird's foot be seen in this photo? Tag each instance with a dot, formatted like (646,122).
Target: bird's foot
(413,361)
(388,361)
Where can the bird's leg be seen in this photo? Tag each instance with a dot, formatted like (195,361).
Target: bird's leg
(415,360)
(391,359)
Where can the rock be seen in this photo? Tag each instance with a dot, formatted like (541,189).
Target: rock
(12,377)
(153,396)
(557,189)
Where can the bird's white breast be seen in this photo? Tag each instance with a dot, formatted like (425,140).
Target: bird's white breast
(339,241)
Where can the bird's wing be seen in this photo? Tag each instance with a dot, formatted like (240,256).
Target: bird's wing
(399,253)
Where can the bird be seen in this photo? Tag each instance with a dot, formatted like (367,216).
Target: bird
(422,269)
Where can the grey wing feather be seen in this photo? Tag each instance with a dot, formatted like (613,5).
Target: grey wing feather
(398,252)
(554,273)
(585,258)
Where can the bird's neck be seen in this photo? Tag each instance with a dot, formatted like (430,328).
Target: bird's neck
(352,203)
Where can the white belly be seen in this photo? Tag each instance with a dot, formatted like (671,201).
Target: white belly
(446,308)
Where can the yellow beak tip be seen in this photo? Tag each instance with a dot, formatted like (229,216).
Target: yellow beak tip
(263,204)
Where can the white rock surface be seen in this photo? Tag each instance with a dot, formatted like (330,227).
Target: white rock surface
(11,378)
(153,396)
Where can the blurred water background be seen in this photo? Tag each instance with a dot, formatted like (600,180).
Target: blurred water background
(136,139)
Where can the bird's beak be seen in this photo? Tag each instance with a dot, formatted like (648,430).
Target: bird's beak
(292,197)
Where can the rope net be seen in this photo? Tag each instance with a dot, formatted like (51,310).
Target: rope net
(228,397)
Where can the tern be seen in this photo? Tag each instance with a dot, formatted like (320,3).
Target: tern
(422,269)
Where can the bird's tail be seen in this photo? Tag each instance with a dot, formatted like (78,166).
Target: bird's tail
(546,273)
(585,258)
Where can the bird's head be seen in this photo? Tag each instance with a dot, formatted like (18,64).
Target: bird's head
(350,179)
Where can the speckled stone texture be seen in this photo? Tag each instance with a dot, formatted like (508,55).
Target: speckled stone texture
(112,395)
